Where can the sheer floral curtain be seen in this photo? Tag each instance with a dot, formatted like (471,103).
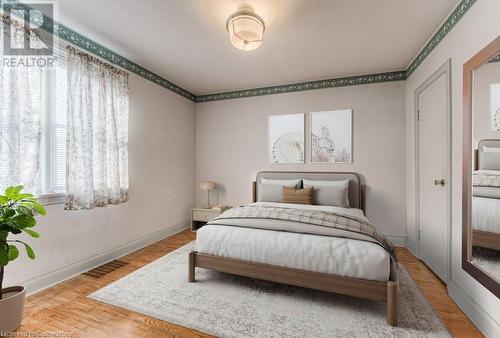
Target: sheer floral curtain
(97,138)
(20,119)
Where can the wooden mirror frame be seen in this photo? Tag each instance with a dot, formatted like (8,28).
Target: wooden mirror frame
(475,62)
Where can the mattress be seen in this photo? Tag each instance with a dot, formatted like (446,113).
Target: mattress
(486,214)
(333,255)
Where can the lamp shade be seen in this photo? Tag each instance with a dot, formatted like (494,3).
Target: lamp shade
(207,185)
(246,30)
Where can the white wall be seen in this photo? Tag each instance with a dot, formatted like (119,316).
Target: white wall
(231,144)
(161,172)
(476,29)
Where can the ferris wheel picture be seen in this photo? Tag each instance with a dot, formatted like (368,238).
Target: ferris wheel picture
(286,138)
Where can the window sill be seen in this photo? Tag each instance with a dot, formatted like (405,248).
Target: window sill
(52,198)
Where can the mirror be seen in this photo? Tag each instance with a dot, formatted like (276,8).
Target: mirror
(481,190)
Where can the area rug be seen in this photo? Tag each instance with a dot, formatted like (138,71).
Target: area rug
(488,260)
(230,306)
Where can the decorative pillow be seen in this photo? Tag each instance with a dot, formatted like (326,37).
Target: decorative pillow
(332,193)
(272,190)
(489,160)
(297,196)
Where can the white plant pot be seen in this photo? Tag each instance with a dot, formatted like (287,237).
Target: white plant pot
(11,308)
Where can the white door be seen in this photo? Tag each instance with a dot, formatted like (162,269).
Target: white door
(433,174)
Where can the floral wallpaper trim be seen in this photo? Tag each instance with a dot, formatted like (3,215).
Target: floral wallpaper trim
(445,28)
(301,86)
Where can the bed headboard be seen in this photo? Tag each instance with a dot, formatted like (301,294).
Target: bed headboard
(356,189)
(478,151)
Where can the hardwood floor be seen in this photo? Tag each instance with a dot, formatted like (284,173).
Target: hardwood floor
(435,291)
(66,308)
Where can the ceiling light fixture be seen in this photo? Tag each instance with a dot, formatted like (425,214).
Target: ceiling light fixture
(246,29)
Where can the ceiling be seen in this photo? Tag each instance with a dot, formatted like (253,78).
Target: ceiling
(186,41)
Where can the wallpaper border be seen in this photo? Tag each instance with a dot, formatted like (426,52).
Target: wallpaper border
(444,29)
(303,86)
(91,46)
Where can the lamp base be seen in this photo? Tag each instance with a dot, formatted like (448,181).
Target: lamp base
(208,206)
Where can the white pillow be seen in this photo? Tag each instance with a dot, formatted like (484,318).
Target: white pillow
(489,149)
(489,160)
(272,190)
(288,183)
(333,193)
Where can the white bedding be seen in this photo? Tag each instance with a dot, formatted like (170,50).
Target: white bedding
(334,255)
(486,214)
(487,172)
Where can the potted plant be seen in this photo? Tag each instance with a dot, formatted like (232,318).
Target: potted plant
(17,215)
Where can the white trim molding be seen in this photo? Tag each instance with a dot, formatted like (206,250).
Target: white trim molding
(62,274)
(397,240)
(411,246)
(484,322)
(52,198)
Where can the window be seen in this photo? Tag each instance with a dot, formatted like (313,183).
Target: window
(53,144)
(33,126)
(35,141)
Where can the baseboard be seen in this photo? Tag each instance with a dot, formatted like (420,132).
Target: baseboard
(54,277)
(484,322)
(397,240)
(412,246)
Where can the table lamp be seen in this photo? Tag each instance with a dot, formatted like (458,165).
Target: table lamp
(207,185)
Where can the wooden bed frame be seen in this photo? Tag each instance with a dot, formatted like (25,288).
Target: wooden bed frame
(484,239)
(362,288)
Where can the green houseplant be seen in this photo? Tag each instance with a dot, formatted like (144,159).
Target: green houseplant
(17,215)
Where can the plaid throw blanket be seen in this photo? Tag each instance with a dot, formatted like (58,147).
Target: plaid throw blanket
(486,180)
(310,217)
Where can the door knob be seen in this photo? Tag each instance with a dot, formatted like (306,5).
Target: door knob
(439,182)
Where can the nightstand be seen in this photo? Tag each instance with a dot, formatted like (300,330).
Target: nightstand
(200,216)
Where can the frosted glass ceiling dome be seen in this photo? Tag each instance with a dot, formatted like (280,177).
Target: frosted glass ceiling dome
(246,29)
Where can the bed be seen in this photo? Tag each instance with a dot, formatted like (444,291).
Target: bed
(486,195)
(324,247)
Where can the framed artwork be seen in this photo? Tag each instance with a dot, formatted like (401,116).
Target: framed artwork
(286,138)
(331,136)
(495,107)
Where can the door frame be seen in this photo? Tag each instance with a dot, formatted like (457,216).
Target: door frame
(445,70)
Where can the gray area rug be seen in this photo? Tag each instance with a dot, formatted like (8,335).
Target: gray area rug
(488,260)
(231,306)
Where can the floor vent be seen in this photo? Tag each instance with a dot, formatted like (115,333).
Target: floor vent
(103,270)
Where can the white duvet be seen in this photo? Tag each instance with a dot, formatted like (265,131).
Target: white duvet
(486,214)
(485,206)
(333,255)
